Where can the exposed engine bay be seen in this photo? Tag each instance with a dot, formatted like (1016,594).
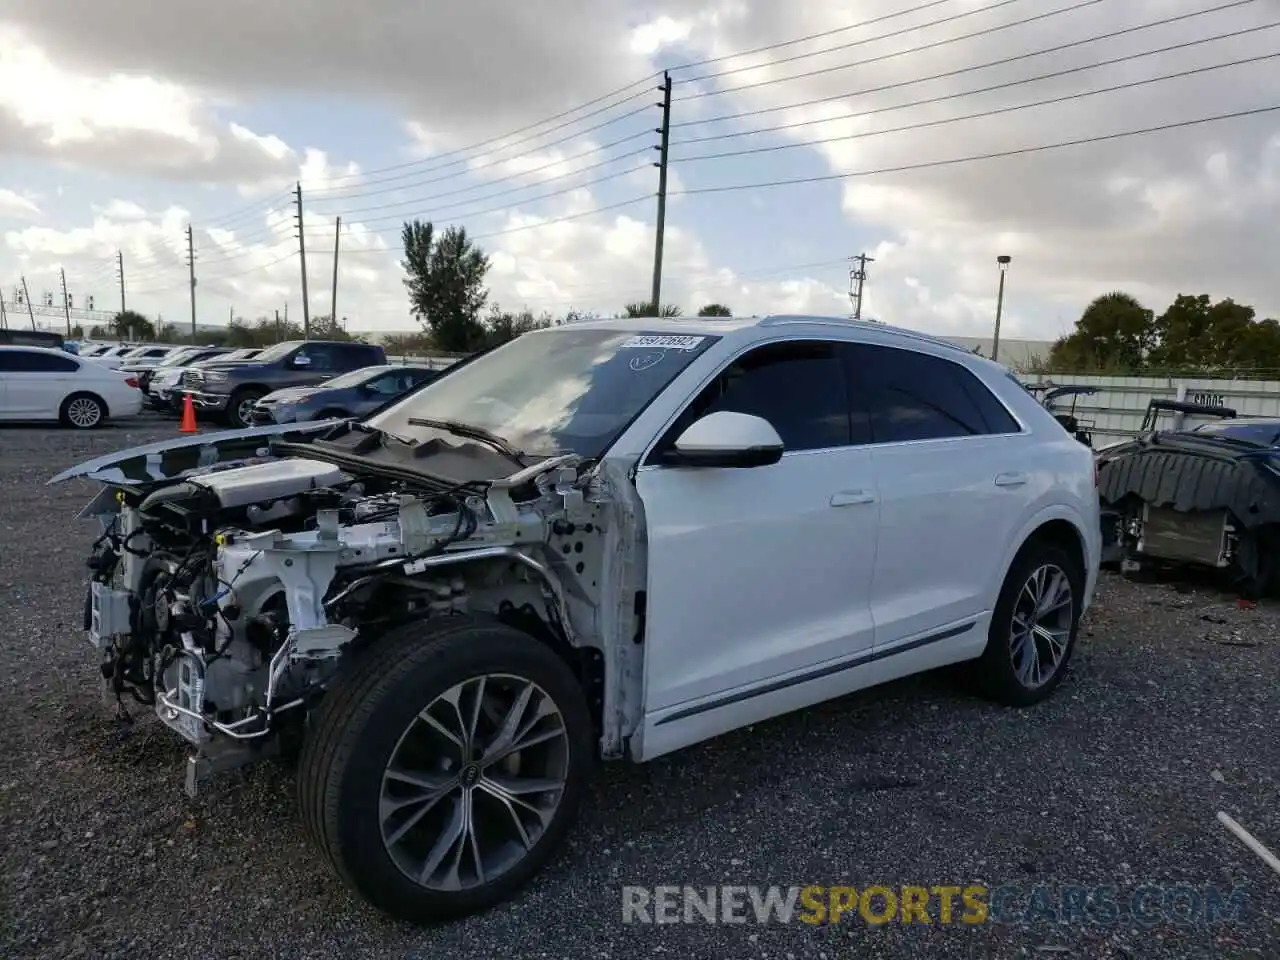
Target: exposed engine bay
(1192,498)
(229,595)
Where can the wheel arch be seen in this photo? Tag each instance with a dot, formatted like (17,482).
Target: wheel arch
(1062,527)
(91,394)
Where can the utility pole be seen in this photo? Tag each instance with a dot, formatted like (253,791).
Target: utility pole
(26,295)
(66,303)
(858,277)
(120,266)
(333,299)
(665,131)
(302,255)
(1002,262)
(191,267)
(4,317)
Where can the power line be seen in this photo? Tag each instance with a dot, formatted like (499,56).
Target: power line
(853,43)
(813,36)
(514,176)
(435,212)
(986,31)
(358,190)
(983,113)
(533,226)
(970,69)
(430,164)
(996,155)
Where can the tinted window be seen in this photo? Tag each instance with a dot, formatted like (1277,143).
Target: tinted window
(914,396)
(799,387)
(29,361)
(391,384)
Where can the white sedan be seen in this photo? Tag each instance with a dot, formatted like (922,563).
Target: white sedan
(42,384)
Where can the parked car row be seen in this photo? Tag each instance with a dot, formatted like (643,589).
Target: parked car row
(44,383)
(289,382)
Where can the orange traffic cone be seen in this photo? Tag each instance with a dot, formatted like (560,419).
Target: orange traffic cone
(188,424)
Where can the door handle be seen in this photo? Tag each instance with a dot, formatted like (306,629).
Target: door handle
(849,498)
(1010,479)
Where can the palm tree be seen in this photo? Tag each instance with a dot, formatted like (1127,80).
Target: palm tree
(644,308)
(715,310)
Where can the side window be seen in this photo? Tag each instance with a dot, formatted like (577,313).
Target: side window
(352,356)
(324,359)
(388,385)
(25,361)
(915,396)
(798,386)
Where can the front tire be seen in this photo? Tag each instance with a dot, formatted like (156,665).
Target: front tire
(445,768)
(1034,626)
(240,407)
(82,411)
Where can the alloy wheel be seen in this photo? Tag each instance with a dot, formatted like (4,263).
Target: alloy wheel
(474,782)
(1043,616)
(84,412)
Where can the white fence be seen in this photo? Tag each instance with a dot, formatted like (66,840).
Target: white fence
(1117,409)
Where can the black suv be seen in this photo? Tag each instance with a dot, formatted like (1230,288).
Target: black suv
(229,391)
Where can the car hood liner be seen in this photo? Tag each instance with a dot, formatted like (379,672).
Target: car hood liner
(1193,474)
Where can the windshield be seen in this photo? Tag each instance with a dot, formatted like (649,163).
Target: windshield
(244,354)
(177,357)
(354,378)
(564,390)
(277,351)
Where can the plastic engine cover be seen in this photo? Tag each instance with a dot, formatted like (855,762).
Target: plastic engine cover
(261,482)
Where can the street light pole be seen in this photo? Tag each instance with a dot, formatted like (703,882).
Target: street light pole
(1003,262)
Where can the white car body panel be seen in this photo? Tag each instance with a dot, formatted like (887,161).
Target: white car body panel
(763,598)
(39,395)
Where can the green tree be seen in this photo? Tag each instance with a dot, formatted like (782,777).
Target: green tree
(715,310)
(1196,333)
(445,278)
(646,308)
(501,326)
(1115,332)
(131,325)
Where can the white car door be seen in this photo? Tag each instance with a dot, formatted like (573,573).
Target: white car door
(757,577)
(36,388)
(950,464)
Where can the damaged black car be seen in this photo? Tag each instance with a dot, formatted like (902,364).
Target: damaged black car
(1206,495)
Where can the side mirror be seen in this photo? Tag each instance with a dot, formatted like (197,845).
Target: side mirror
(302,360)
(727,439)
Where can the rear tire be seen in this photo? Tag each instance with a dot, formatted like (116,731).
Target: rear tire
(1034,626)
(83,411)
(382,789)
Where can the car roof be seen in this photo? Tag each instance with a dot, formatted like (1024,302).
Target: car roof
(52,351)
(747,328)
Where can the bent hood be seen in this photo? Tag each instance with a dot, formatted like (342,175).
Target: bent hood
(169,459)
(289,395)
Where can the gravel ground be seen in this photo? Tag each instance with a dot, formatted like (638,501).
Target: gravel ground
(1169,715)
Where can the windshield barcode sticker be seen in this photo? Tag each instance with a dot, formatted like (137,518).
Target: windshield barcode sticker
(653,342)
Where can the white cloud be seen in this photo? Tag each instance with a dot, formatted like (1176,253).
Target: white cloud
(1187,210)
(119,122)
(16,205)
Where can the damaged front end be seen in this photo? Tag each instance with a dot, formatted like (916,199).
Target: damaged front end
(236,573)
(1189,498)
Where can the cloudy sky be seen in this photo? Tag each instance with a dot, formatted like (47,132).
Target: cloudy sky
(533,125)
